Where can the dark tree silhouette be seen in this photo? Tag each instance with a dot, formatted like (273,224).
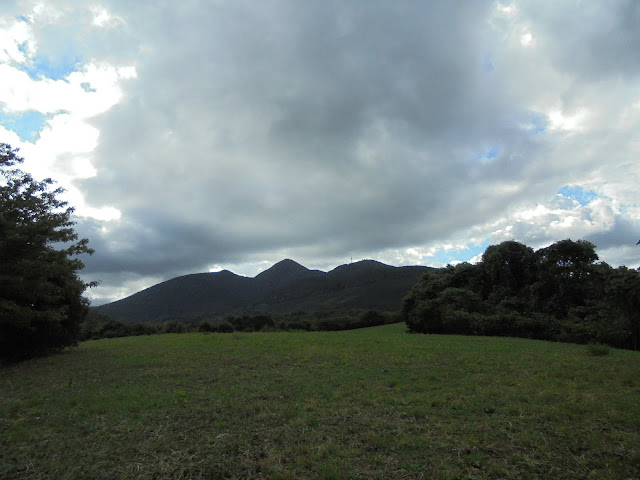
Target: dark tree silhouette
(41,302)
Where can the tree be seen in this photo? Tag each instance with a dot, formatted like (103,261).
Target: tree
(444,300)
(565,274)
(41,302)
(623,290)
(509,267)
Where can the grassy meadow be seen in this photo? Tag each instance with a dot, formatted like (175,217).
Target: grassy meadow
(374,403)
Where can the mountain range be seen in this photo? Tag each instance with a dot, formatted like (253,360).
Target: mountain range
(286,287)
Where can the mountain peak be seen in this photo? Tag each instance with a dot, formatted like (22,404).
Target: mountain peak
(361,266)
(286,267)
(289,263)
(282,273)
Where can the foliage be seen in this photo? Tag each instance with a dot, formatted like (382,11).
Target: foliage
(223,327)
(93,322)
(41,302)
(336,320)
(556,293)
(597,349)
(254,323)
(113,329)
(206,326)
(174,326)
(97,325)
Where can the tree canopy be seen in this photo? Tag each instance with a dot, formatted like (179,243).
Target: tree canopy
(41,302)
(556,293)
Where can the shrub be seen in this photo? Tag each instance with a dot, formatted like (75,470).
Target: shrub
(174,326)
(223,327)
(597,349)
(143,329)
(206,326)
(254,323)
(298,324)
(372,318)
(112,329)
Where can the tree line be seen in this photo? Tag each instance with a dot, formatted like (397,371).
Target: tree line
(98,325)
(559,293)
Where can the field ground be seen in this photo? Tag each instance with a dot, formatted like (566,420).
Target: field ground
(373,403)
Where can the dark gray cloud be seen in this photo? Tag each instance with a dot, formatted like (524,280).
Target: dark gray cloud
(291,124)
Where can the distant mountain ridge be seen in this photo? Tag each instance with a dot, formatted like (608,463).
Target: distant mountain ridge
(286,287)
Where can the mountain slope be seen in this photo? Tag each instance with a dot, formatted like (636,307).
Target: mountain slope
(190,295)
(285,287)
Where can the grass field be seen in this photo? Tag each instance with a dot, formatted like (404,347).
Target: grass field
(370,403)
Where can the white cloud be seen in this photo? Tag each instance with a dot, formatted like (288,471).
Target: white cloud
(104,19)
(110,291)
(509,10)
(20,93)
(16,41)
(527,39)
(65,147)
(9,136)
(568,123)
(105,214)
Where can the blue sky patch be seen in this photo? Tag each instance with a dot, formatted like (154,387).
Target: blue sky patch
(536,122)
(27,125)
(443,257)
(86,86)
(55,70)
(23,48)
(487,64)
(488,155)
(579,194)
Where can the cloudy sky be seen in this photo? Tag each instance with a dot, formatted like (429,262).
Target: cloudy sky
(196,136)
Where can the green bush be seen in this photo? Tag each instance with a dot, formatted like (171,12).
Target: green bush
(223,327)
(143,329)
(248,323)
(206,326)
(298,324)
(174,326)
(597,349)
(112,329)
(371,318)
(450,310)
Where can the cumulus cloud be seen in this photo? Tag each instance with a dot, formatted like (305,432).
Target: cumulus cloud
(234,134)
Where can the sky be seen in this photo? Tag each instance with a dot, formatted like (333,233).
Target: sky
(197,136)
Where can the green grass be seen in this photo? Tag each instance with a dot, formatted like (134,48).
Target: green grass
(370,403)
